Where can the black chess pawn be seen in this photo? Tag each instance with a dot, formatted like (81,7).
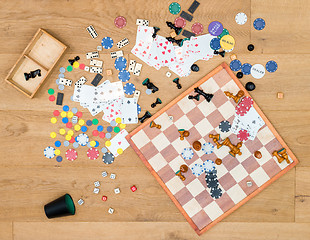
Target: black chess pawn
(220,53)
(176,81)
(207,96)
(196,97)
(150,85)
(178,42)
(195,68)
(175,28)
(27,76)
(171,39)
(156,29)
(35,73)
(158,101)
(145,116)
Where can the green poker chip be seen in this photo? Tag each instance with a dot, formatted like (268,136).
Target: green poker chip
(51,91)
(174,8)
(69,68)
(116,129)
(225,32)
(95,121)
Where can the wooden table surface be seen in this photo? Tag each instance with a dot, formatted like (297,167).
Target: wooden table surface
(28,180)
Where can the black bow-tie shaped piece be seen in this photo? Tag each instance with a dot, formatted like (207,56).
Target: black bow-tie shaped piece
(150,85)
(158,101)
(156,29)
(173,40)
(220,53)
(207,96)
(177,30)
(145,116)
(32,74)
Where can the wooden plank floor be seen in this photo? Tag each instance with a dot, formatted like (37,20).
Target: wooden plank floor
(28,180)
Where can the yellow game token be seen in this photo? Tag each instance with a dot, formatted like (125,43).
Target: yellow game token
(118,120)
(81,122)
(57,152)
(53,134)
(107,143)
(76,64)
(62,131)
(63,114)
(70,114)
(68,137)
(53,120)
(227,42)
(70,132)
(77,127)
(119,151)
(92,143)
(122,125)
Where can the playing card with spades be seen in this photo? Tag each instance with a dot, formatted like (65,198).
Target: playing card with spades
(129,111)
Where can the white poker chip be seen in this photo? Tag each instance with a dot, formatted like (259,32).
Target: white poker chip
(187,153)
(208,166)
(82,139)
(49,152)
(241,18)
(258,71)
(197,170)
(207,148)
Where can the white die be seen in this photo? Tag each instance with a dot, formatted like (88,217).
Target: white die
(96,190)
(168,74)
(116,190)
(97,184)
(81,201)
(104,174)
(111,210)
(86,69)
(113,176)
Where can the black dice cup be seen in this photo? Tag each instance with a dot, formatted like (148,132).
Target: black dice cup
(63,206)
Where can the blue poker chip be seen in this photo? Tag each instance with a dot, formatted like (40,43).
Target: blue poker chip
(59,158)
(124,75)
(99,128)
(74,110)
(138,108)
(235,65)
(89,123)
(82,139)
(62,70)
(208,166)
(259,24)
(215,44)
(246,68)
(104,150)
(97,144)
(65,120)
(61,87)
(113,123)
(49,152)
(271,66)
(129,88)
(108,135)
(197,169)
(75,145)
(187,153)
(57,81)
(57,144)
(109,129)
(207,148)
(65,108)
(66,143)
(120,63)
(83,129)
(61,75)
(107,42)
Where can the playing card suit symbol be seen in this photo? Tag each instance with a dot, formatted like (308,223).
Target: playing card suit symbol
(145,30)
(166,42)
(165,47)
(155,58)
(163,52)
(112,110)
(140,44)
(169,50)
(196,45)
(166,61)
(171,59)
(161,44)
(136,49)
(148,47)
(144,52)
(119,143)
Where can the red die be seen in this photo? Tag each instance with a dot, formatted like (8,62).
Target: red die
(133,188)
(104,198)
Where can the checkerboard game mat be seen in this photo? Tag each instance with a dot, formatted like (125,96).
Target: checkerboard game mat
(161,148)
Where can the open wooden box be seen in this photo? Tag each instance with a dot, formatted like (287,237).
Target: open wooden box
(43,52)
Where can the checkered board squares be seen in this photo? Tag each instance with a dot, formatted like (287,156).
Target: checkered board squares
(160,150)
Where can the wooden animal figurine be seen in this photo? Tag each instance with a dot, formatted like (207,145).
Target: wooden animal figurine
(216,139)
(236,98)
(234,149)
(153,124)
(281,155)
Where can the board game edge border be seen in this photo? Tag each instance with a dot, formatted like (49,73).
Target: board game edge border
(250,196)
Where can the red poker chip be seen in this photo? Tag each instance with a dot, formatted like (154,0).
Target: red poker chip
(56,113)
(72,140)
(180,22)
(71,154)
(246,102)
(197,28)
(95,133)
(79,114)
(69,124)
(120,22)
(82,66)
(243,135)
(93,153)
(51,98)
(102,135)
(241,111)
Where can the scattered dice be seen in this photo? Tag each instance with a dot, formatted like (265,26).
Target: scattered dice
(104,198)
(97,184)
(168,74)
(113,176)
(249,183)
(104,174)
(99,48)
(133,188)
(81,201)
(116,190)
(109,72)
(86,69)
(111,210)
(96,190)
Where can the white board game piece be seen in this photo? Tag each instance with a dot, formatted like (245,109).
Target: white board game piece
(91,55)
(104,174)
(96,190)
(97,184)
(65,82)
(95,70)
(113,176)
(136,94)
(91,30)
(99,48)
(122,43)
(258,71)
(116,54)
(86,69)
(142,22)
(81,201)
(117,190)
(111,210)
(168,74)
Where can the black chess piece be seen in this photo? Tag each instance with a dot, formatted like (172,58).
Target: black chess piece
(156,29)
(220,53)
(250,47)
(71,61)
(145,116)
(178,42)
(158,101)
(175,28)
(32,74)
(207,96)
(150,85)
(77,58)
(171,39)
(195,68)
(250,86)
(27,76)
(176,81)
(196,97)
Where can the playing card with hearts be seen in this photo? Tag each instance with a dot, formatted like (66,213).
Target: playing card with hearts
(119,143)
(112,110)
(165,51)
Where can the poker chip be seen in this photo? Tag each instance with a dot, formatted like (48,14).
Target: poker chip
(117,129)
(216,193)
(59,158)
(214,183)
(187,153)
(148,91)
(65,108)
(61,75)
(102,135)
(210,176)
(108,158)
(61,87)
(271,66)
(82,66)
(107,42)
(235,65)
(243,135)
(138,109)
(56,113)
(57,81)
(82,139)
(120,22)
(208,166)
(120,63)
(180,22)
(109,129)
(95,121)
(129,88)
(62,70)
(104,150)
(95,133)
(225,126)
(259,24)
(69,68)
(100,128)
(49,152)
(50,91)
(93,153)
(241,18)
(89,123)
(197,28)
(84,129)
(246,68)
(76,64)
(75,145)
(57,144)
(108,135)
(215,28)
(244,106)
(197,169)
(225,32)
(124,75)
(71,154)
(207,148)
(174,8)
(258,71)
(227,42)
(113,123)
(215,44)
(66,143)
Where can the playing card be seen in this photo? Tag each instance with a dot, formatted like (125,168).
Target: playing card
(111,91)
(129,111)
(112,110)
(119,143)
(165,51)
(199,47)
(153,57)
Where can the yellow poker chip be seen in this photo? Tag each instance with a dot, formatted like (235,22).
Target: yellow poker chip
(57,152)
(76,64)
(70,114)
(107,143)
(227,42)
(70,132)
(68,137)
(119,151)
(81,122)
(92,143)
(77,127)
(63,114)
(62,131)
(53,120)
(118,120)
(53,134)
(122,125)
